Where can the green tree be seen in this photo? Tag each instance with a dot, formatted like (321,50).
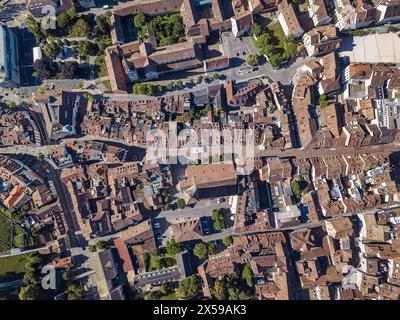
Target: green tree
(247,274)
(139,20)
(187,287)
(289,49)
(103,23)
(253,60)
(211,248)
(151,295)
(215,76)
(172,247)
(323,101)
(200,250)
(92,248)
(199,79)
(170,86)
(33,263)
(34,28)
(219,289)
(179,84)
(155,261)
(64,19)
(30,277)
(74,292)
(102,245)
(11,105)
(51,49)
(274,60)
(294,184)
(218,220)
(40,157)
(29,292)
(227,241)
(80,29)
(67,275)
(88,96)
(181,203)
(236,294)
(263,43)
(256,29)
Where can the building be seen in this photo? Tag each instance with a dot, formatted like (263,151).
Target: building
(318,12)
(16,57)
(321,40)
(187,230)
(241,23)
(289,21)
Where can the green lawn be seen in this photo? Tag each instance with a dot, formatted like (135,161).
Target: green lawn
(12,268)
(276,31)
(100,66)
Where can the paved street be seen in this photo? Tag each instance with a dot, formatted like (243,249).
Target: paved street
(180,215)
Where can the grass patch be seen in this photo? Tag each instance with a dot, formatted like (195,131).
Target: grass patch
(18,239)
(107,84)
(276,31)
(12,268)
(100,66)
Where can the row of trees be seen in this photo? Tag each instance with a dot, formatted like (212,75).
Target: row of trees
(218,220)
(147,89)
(31,290)
(201,249)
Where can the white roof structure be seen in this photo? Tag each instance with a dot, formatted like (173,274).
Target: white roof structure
(37,53)
(373,48)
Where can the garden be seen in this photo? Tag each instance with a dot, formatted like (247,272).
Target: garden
(272,43)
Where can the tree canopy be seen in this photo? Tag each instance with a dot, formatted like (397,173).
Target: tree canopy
(200,250)
(218,219)
(247,274)
(168,29)
(187,287)
(172,247)
(253,60)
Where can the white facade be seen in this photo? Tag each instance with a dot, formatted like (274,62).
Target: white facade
(307,44)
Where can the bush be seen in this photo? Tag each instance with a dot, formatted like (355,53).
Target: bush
(181,203)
